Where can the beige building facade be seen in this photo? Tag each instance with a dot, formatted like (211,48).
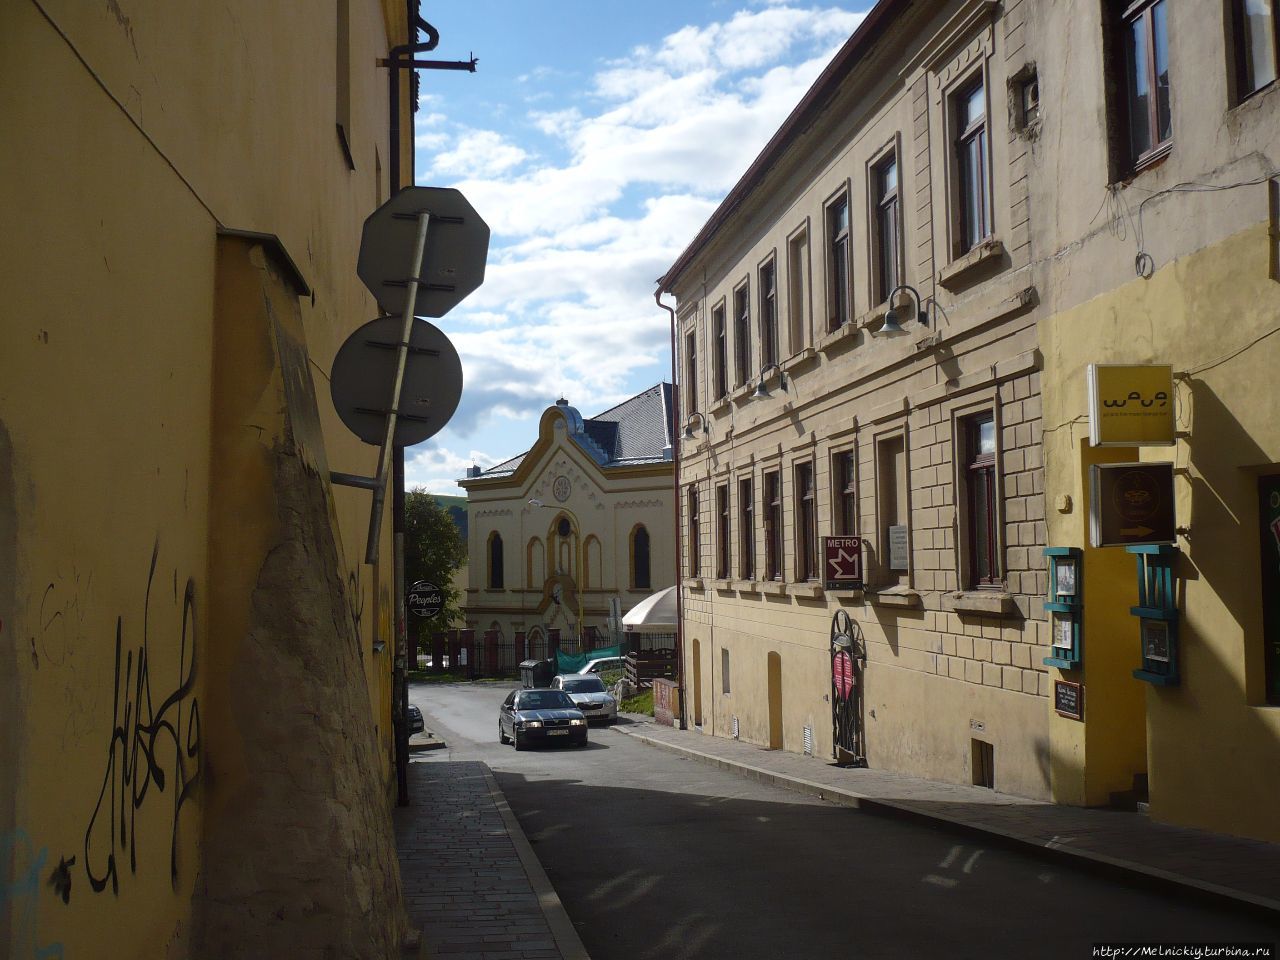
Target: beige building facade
(905,164)
(574,532)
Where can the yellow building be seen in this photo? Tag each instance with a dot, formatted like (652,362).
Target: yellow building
(195,753)
(578,529)
(1161,249)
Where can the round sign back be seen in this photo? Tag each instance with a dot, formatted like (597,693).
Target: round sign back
(363,375)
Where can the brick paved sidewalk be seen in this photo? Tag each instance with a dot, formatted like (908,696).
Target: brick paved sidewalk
(1244,871)
(472,883)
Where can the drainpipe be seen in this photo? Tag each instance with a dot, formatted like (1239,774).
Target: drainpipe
(675,475)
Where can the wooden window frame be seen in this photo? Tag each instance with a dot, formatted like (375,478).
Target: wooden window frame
(806,520)
(723,552)
(746,528)
(969,234)
(691,371)
(799,290)
(694,529)
(720,358)
(844,493)
(742,334)
(767,280)
(771,491)
(886,224)
(838,251)
(981,476)
(1244,84)
(1135,162)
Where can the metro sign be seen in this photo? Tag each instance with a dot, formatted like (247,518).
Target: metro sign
(842,563)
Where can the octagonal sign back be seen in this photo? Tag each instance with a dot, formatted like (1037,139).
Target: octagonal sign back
(453,260)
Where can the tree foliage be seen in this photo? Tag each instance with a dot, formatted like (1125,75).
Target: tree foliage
(434,549)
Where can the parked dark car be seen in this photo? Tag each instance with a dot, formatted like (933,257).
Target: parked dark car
(540,716)
(415,720)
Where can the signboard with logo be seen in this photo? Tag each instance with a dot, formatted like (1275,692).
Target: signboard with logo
(1131,503)
(425,599)
(1130,404)
(842,563)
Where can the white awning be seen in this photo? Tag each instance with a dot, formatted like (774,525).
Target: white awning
(656,613)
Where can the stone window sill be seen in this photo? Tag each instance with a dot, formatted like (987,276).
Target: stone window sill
(895,597)
(746,586)
(840,337)
(961,272)
(723,585)
(810,589)
(773,588)
(798,360)
(693,583)
(991,603)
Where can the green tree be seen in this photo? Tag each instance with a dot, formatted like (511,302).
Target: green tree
(434,549)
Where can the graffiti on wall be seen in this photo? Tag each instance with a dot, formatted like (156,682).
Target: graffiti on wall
(153,749)
(21,895)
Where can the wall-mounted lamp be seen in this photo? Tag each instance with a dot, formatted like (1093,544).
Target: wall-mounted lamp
(688,425)
(761,391)
(892,320)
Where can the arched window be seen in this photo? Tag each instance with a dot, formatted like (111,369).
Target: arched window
(495,561)
(640,558)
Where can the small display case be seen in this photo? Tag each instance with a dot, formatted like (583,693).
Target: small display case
(1065,606)
(1157,613)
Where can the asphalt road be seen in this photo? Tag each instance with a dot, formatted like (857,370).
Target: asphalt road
(656,857)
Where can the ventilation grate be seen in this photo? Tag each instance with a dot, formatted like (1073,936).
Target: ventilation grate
(808,741)
(735,728)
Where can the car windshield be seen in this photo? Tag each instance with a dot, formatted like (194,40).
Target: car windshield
(592,684)
(543,700)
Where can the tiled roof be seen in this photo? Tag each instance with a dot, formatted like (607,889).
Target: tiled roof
(635,432)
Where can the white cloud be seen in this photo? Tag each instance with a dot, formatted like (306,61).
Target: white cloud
(621,180)
(482,153)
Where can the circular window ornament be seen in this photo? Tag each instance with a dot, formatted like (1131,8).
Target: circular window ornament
(562,488)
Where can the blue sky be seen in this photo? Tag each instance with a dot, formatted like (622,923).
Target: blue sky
(595,139)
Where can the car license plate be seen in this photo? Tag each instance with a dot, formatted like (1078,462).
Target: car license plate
(557,733)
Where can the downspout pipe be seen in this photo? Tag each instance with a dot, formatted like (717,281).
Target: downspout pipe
(675,482)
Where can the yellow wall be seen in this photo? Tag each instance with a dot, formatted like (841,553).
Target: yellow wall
(132,136)
(1210,743)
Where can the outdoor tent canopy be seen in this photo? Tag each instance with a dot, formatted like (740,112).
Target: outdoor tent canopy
(656,613)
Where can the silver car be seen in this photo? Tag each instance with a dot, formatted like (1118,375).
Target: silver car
(589,695)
